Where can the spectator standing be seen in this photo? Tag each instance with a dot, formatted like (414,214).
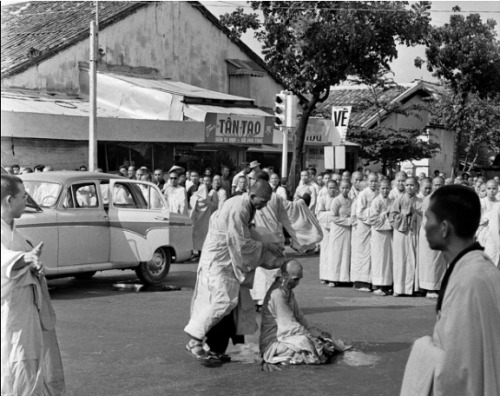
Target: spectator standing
(30,357)
(175,195)
(159,178)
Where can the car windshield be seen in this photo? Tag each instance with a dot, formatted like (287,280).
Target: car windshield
(45,194)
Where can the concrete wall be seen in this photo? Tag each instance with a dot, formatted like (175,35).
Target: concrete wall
(60,154)
(172,37)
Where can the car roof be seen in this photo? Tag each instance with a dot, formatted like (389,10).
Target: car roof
(67,176)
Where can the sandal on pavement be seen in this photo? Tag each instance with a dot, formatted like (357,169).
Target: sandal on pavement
(219,356)
(195,348)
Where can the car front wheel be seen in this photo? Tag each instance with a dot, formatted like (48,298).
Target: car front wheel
(156,270)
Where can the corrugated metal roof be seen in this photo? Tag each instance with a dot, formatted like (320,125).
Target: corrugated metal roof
(38,102)
(180,88)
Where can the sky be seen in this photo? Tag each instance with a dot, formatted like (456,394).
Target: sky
(403,67)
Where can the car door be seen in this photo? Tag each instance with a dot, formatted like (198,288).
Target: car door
(84,235)
(136,214)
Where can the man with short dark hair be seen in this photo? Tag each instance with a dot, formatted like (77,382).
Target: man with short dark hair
(16,169)
(462,357)
(158,178)
(131,172)
(31,361)
(244,171)
(175,195)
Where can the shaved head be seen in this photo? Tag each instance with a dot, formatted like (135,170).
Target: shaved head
(261,188)
(292,268)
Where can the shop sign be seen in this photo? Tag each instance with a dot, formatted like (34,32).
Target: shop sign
(340,118)
(319,132)
(234,128)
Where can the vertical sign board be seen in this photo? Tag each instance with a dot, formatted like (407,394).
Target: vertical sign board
(235,128)
(340,118)
(329,160)
(339,157)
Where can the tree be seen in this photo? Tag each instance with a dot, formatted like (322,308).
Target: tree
(311,46)
(465,55)
(477,121)
(386,144)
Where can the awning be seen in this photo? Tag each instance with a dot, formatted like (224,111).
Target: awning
(199,112)
(265,148)
(238,67)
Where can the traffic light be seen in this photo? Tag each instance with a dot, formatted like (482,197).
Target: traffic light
(291,110)
(280,109)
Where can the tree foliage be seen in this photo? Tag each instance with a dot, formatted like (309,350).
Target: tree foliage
(313,45)
(477,121)
(465,55)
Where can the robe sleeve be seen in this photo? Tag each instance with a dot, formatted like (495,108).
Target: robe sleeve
(336,218)
(246,253)
(287,323)
(399,220)
(363,209)
(468,338)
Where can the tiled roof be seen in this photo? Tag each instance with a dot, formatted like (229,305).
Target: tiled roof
(35,31)
(361,99)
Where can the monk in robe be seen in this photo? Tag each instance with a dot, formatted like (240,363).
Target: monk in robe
(296,218)
(399,187)
(381,240)
(487,204)
(286,337)
(361,267)
(203,203)
(339,242)
(31,361)
(462,356)
(492,239)
(323,213)
(405,218)
(221,309)
(430,263)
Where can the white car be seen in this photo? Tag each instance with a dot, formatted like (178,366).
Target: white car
(96,221)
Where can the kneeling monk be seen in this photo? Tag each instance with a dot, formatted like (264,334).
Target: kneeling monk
(286,337)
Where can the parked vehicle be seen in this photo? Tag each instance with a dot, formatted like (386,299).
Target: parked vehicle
(96,221)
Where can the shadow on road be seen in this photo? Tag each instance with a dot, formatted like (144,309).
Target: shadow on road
(315,310)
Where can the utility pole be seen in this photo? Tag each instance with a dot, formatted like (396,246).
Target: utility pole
(93,94)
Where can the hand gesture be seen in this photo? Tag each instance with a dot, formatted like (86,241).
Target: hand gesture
(33,259)
(274,248)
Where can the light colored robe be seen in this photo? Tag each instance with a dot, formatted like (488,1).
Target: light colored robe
(302,226)
(492,237)
(381,241)
(324,216)
(222,196)
(482,231)
(176,198)
(431,264)
(463,356)
(229,254)
(286,336)
(203,203)
(31,361)
(361,266)
(339,242)
(405,218)
(311,190)
(395,194)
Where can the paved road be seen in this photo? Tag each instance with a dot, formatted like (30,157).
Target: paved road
(116,342)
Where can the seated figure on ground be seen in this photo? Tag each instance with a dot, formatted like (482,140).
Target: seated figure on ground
(286,337)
